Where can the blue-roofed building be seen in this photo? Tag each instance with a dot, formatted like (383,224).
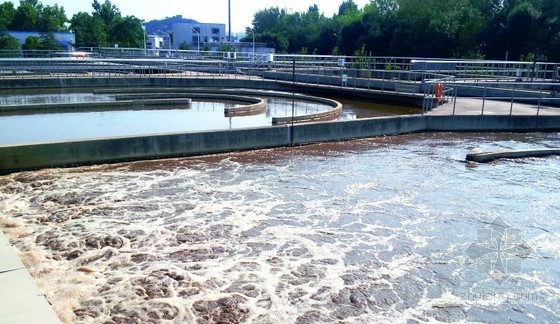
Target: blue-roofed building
(66,40)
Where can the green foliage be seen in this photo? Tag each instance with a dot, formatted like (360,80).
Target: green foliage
(9,46)
(26,18)
(48,42)
(346,7)
(127,32)
(184,46)
(52,19)
(7,15)
(529,57)
(290,32)
(335,51)
(107,11)
(90,31)
(431,28)
(106,27)
(32,43)
(31,15)
(226,47)
(360,58)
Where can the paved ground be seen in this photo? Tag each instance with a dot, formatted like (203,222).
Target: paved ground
(468,106)
(20,299)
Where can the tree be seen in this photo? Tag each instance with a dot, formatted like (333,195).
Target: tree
(108,12)
(9,46)
(351,31)
(268,20)
(33,3)
(49,42)
(32,43)
(525,29)
(7,14)
(347,6)
(52,19)
(31,15)
(26,17)
(328,38)
(90,31)
(226,47)
(106,26)
(351,28)
(279,42)
(127,32)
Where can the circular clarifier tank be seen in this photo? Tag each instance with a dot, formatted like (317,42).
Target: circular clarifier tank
(51,115)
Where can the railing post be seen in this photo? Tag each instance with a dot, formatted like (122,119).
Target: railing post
(428,96)
(484,99)
(423,100)
(383,84)
(540,98)
(455,100)
(369,74)
(512,97)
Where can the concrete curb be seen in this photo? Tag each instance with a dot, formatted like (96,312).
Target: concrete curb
(227,95)
(326,115)
(21,301)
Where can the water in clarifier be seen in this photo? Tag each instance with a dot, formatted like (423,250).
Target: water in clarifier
(52,98)
(20,128)
(363,231)
(202,115)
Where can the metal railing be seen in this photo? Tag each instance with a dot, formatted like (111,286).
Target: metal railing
(487,80)
(193,63)
(461,69)
(507,98)
(481,70)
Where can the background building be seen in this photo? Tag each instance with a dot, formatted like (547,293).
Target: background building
(156,42)
(65,40)
(187,34)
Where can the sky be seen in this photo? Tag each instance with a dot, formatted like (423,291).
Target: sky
(205,11)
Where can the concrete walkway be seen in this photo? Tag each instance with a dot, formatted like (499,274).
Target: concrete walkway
(20,299)
(469,106)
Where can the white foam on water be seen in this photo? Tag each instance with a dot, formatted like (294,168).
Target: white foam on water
(546,245)
(303,237)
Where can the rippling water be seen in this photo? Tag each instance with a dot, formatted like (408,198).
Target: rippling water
(201,116)
(365,231)
(18,128)
(52,98)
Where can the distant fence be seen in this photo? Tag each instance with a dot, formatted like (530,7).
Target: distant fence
(536,82)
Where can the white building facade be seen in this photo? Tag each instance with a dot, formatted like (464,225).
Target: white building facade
(194,35)
(155,42)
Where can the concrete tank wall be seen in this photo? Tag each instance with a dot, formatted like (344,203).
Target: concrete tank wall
(140,82)
(493,123)
(33,156)
(359,128)
(83,152)
(69,153)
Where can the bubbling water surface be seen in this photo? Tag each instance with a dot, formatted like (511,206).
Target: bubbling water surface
(364,231)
